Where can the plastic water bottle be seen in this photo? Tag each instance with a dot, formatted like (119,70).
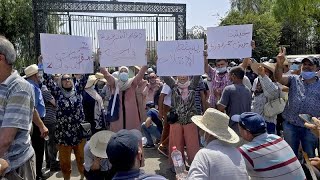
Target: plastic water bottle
(178,163)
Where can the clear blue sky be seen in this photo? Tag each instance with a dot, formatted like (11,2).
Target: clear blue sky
(199,12)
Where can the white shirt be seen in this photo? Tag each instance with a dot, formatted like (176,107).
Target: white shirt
(218,160)
(167,91)
(246,82)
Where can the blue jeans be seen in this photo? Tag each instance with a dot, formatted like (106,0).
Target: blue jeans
(295,134)
(149,132)
(271,128)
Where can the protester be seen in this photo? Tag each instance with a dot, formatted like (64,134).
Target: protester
(70,115)
(33,77)
(219,159)
(50,121)
(164,108)
(125,153)
(182,132)
(265,91)
(219,77)
(303,99)
(267,156)
(141,98)
(96,163)
(93,107)
(153,87)
(16,115)
(315,162)
(152,127)
(128,110)
(235,98)
(200,97)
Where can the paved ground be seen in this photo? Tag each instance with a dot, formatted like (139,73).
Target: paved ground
(155,163)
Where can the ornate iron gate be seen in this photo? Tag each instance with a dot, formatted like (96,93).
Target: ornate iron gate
(162,21)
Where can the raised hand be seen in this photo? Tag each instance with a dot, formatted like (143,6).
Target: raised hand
(281,57)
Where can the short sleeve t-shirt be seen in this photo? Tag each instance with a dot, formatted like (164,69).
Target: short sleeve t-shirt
(167,99)
(154,114)
(236,98)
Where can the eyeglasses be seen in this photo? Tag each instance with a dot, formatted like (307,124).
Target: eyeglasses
(153,77)
(66,79)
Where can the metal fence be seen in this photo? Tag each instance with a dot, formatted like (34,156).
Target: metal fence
(158,28)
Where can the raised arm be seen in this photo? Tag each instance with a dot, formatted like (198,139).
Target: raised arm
(205,57)
(140,75)
(169,81)
(279,68)
(108,76)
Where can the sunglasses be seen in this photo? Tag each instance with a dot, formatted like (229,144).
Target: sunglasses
(66,79)
(153,77)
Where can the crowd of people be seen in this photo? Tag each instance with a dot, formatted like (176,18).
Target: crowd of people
(238,121)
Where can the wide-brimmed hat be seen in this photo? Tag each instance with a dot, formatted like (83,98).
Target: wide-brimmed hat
(216,123)
(100,77)
(91,81)
(30,70)
(270,66)
(98,143)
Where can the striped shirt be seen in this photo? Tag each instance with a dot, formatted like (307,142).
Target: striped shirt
(51,110)
(268,156)
(16,111)
(197,98)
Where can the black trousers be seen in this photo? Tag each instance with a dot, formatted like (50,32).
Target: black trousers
(38,146)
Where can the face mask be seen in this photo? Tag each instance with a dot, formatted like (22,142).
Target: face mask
(185,85)
(221,70)
(294,67)
(124,76)
(308,75)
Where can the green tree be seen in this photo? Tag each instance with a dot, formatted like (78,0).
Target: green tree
(300,20)
(251,6)
(266,31)
(16,24)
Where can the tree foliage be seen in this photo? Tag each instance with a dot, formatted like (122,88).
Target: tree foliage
(300,21)
(266,31)
(16,24)
(251,6)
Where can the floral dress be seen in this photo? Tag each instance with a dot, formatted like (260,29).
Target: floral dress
(69,113)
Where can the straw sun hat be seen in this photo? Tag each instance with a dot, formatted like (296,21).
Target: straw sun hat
(31,70)
(98,143)
(269,66)
(91,81)
(216,123)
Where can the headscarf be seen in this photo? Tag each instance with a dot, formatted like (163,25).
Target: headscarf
(66,93)
(123,85)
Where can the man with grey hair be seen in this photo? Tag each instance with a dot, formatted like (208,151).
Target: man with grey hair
(16,115)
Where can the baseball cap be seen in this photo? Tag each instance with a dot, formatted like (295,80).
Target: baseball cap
(312,59)
(123,146)
(252,122)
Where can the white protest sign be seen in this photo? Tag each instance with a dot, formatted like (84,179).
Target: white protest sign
(229,42)
(122,47)
(180,58)
(66,54)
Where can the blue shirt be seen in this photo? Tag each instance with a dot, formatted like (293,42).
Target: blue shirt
(16,111)
(154,114)
(136,174)
(39,102)
(303,99)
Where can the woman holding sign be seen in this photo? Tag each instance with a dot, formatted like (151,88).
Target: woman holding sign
(128,109)
(183,132)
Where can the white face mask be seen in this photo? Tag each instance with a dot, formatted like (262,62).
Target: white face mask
(221,70)
(184,85)
(124,76)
